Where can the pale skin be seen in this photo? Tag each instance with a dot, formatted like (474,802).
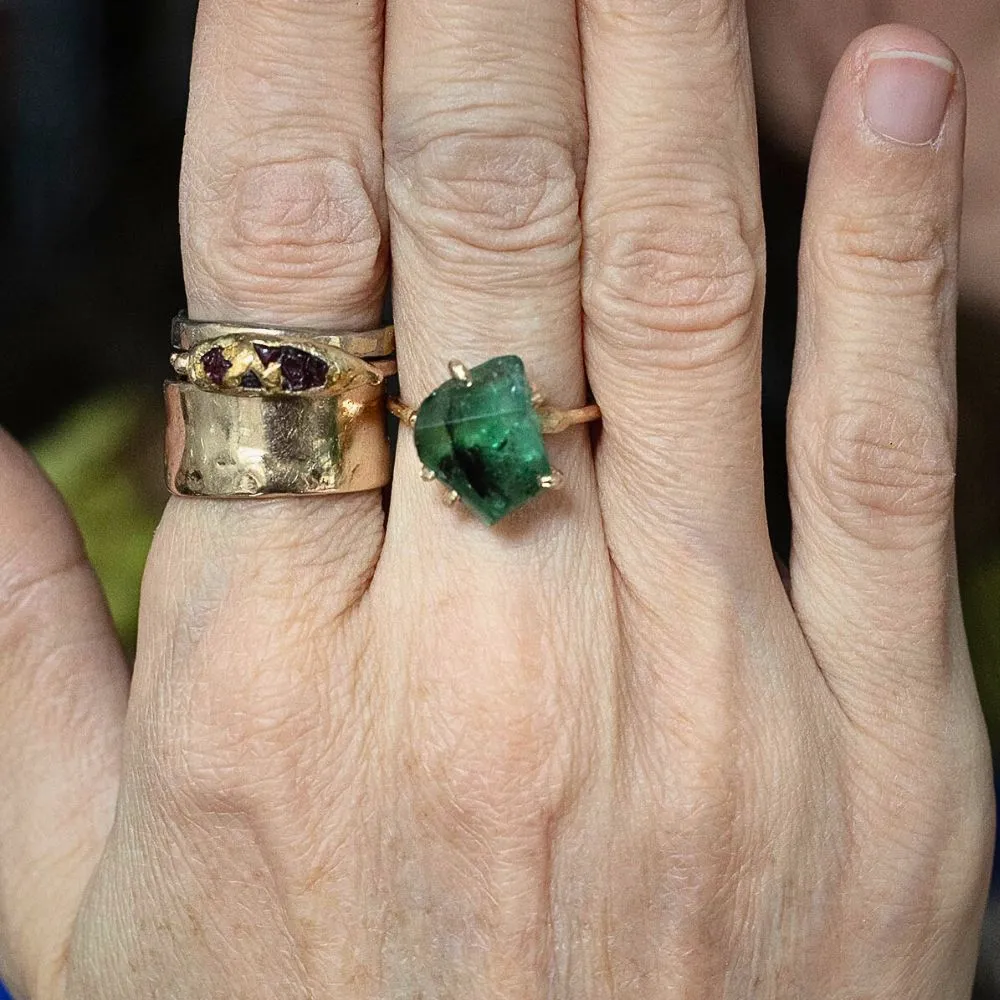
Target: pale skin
(597,751)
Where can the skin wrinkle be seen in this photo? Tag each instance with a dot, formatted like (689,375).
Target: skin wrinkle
(882,483)
(293,205)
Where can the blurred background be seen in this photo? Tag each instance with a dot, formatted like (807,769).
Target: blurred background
(92,97)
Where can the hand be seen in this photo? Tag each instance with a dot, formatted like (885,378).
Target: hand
(595,751)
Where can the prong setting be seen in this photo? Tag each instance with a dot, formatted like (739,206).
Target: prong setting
(459,372)
(479,436)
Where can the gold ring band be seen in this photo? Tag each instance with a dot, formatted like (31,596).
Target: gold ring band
(245,446)
(276,366)
(188,333)
(265,411)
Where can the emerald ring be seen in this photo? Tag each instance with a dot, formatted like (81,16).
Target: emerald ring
(480,434)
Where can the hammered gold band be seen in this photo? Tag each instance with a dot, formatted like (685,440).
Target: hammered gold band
(264,411)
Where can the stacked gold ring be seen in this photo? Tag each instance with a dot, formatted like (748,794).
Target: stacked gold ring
(268,411)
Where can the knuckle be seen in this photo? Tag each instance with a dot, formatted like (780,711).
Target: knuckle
(259,730)
(506,767)
(210,763)
(941,817)
(886,461)
(470,195)
(305,228)
(667,283)
(694,825)
(255,749)
(892,255)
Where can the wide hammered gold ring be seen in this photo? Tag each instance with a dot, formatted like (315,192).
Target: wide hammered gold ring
(264,411)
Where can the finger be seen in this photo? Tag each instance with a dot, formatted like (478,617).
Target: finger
(673,290)
(63,690)
(872,414)
(243,670)
(283,221)
(485,138)
(485,144)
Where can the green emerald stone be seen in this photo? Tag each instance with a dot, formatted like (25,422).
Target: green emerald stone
(484,439)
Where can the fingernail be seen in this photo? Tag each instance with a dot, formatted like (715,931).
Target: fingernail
(906,95)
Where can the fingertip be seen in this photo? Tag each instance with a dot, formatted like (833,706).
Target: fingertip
(897,87)
(886,167)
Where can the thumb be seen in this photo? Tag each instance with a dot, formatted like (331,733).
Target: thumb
(63,692)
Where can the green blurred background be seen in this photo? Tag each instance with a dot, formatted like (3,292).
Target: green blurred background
(93,106)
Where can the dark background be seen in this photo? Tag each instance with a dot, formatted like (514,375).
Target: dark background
(92,97)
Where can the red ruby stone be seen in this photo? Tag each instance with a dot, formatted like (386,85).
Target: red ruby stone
(300,370)
(268,354)
(215,364)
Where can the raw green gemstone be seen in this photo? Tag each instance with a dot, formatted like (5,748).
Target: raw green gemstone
(484,440)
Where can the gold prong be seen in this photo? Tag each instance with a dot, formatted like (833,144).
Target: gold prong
(451,498)
(406,415)
(554,421)
(428,475)
(459,372)
(537,398)
(552,481)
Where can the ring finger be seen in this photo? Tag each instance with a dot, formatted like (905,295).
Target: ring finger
(485,137)
(501,647)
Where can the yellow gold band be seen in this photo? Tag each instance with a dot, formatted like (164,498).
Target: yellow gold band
(241,446)
(270,366)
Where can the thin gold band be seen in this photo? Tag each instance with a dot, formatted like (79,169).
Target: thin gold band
(553,421)
(257,366)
